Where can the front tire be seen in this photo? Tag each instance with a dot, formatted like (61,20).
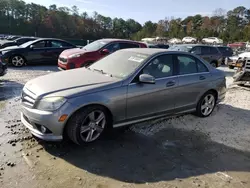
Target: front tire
(17,61)
(206,104)
(231,67)
(88,125)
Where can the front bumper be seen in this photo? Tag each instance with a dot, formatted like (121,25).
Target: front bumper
(37,133)
(33,119)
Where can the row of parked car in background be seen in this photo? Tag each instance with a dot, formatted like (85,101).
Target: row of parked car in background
(187,39)
(31,50)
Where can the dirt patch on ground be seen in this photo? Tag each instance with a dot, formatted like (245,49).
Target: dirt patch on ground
(183,151)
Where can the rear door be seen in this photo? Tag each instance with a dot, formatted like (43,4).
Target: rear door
(54,48)
(193,78)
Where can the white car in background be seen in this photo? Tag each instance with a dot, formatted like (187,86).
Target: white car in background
(189,40)
(212,40)
(174,41)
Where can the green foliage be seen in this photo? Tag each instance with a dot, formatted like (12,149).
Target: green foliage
(20,18)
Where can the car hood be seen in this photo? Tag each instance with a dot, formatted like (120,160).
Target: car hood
(245,54)
(72,51)
(68,83)
(11,48)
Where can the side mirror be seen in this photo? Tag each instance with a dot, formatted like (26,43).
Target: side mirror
(32,46)
(147,79)
(105,52)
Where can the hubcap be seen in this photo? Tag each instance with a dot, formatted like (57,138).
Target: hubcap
(207,105)
(17,61)
(92,126)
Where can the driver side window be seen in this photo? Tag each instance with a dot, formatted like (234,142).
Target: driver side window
(160,67)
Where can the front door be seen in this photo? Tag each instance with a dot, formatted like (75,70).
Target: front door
(193,78)
(144,100)
(37,53)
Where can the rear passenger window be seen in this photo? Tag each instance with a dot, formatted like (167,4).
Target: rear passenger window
(201,67)
(124,45)
(187,65)
(213,50)
(205,50)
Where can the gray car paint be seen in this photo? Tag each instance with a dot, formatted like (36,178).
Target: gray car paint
(128,102)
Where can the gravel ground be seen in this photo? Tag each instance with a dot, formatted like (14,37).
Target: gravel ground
(184,151)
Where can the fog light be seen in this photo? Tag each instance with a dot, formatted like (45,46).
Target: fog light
(43,129)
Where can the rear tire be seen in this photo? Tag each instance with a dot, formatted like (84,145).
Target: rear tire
(88,125)
(206,104)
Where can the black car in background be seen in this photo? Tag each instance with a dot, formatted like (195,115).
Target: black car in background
(209,53)
(17,42)
(226,52)
(163,46)
(46,50)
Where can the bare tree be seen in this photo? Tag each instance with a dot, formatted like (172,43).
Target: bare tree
(219,12)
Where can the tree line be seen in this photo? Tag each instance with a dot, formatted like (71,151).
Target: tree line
(20,18)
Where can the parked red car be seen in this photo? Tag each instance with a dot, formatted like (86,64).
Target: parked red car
(237,45)
(84,56)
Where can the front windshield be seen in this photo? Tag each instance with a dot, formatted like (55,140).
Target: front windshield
(119,64)
(96,45)
(26,44)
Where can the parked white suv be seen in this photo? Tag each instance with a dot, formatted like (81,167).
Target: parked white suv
(212,40)
(189,40)
(174,41)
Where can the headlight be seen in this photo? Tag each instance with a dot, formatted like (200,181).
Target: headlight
(75,55)
(50,103)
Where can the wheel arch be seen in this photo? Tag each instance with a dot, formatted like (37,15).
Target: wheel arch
(17,54)
(85,106)
(210,90)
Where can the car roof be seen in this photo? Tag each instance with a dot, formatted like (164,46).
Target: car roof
(40,39)
(152,51)
(194,45)
(121,40)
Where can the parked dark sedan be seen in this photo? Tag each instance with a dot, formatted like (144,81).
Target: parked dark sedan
(45,50)
(17,42)
(164,46)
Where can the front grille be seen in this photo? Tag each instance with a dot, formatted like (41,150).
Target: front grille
(27,100)
(63,60)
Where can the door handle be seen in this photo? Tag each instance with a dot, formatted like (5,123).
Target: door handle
(170,83)
(202,77)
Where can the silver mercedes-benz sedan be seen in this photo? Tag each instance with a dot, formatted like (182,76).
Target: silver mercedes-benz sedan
(126,87)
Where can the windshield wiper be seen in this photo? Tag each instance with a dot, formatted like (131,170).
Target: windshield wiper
(101,71)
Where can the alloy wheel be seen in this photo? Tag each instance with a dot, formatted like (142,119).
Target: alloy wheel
(17,61)
(92,126)
(207,104)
